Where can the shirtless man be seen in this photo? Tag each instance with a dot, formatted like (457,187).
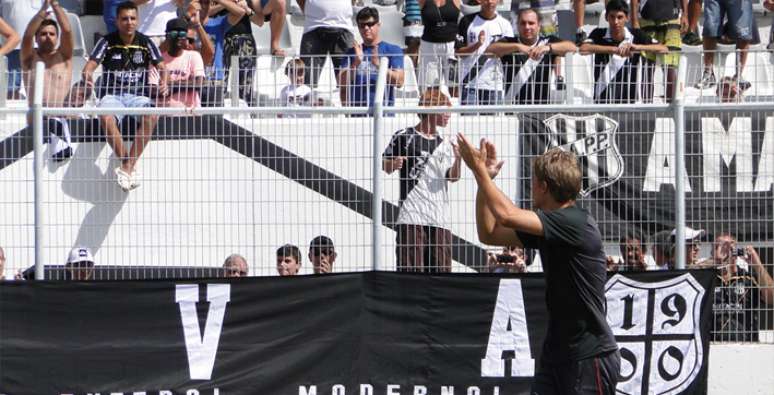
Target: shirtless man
(59,67)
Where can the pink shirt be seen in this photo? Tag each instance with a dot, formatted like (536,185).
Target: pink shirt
(182,68)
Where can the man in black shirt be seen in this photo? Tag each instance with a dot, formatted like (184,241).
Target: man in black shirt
(617,52)
(579,354)
(126,57)
(527,60)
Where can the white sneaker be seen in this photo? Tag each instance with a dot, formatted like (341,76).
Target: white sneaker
(134,179)
(123,179)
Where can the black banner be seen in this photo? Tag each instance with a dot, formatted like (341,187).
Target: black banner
(629,169)
(365,333)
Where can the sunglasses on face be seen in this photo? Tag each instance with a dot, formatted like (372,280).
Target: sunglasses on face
(177,34)
(363,25)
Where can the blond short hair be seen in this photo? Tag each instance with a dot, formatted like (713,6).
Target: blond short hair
(559,170)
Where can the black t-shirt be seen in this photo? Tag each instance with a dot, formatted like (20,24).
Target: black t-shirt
(534,89)
(736,308)
(574,265)
(241,28)
(125,66)
(621,85)
(660,10)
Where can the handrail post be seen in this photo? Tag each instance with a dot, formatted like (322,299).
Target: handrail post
(678,110)
(376,166)
(37,163)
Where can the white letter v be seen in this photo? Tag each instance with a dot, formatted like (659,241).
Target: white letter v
(201,350)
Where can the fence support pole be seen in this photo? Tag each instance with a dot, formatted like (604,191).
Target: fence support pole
(37,164)
(678,110)
(234,72)
(3,83)
(376,166)
(569,79)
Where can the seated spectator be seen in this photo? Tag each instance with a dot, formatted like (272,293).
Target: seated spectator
(185,67)
(663,250)
(126,57)
(327,31)
(235,266)
(79,96)
(527,60)
(692,245)
(741,294)
(44,34)
(511,260)
(481,77)
(296,93)
(288,260)
(357,81)
(322,254)
(617,51)
(633,248)
(272,11)
(80,264)
(427,164)
(16,17)
(198,39)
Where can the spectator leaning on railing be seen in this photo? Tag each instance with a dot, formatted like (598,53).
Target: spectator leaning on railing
(481,76)
(663,21)
(126,57)
(45,33)
(617,50)
(357,81)
(527,60)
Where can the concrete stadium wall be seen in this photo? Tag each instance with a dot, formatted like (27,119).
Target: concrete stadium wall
(741,369)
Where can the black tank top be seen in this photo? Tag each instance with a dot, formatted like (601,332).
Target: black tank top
(440,24)
(241,28)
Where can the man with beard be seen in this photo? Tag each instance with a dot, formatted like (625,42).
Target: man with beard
(58,74)
(185,67)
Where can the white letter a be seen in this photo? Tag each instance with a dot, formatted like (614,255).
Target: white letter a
(202,349)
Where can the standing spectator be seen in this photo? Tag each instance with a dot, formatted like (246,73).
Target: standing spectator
(322,254)
(80,264)
(238,42)
(427,163)
(740,24)
(288,260)
(216,27)
(45,34)
(272,11)
(692,245)
(357,81)
(439,20)
(741,294)
(662,21)
(412,28)
(152,17)
(126,57)
(616,52)
(327,31)
(109,11)
(17,15)
(527,60)
(633,248)
(296,93)
(690,31)
(512,259)
(769,6)
(235,266)
(482,77)
(663,250)
(185,67)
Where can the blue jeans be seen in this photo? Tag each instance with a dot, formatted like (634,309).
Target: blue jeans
(14,71)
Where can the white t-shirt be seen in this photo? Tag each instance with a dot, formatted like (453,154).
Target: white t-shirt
(328,13)
(296,96)
(487,73)
(153,16)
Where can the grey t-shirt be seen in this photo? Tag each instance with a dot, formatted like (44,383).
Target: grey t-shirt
(574,264)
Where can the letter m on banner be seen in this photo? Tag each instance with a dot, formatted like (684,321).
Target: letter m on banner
(592,139)
(202,348)
(658,329)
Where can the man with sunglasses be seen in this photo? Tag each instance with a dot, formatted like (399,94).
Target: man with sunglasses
(185,67)
(357,80)
(322,254)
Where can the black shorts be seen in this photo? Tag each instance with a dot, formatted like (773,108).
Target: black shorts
(593,376)
(318,43)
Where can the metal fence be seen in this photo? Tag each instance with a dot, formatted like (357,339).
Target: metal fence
(262,181)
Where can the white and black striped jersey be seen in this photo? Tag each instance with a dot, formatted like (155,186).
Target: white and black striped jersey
(424,196)
(478,70)
(527,80)
(616,77)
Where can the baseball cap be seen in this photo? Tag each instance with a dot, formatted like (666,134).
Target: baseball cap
(321,242)
(80,255)
(690,234)
(176,24)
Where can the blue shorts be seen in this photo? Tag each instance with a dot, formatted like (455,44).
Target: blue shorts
(125,100)
(739,14)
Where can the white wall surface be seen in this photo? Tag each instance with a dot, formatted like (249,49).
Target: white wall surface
(741,369)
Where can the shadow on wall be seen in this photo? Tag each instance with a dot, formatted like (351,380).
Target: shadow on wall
(84,180)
